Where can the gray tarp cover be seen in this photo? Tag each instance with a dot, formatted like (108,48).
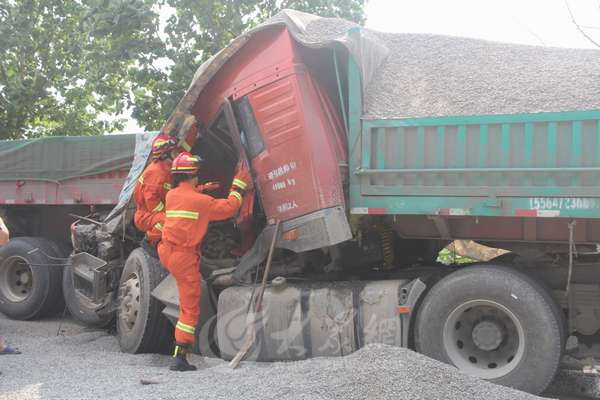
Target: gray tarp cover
(142,152)
(413,75)
(59,158)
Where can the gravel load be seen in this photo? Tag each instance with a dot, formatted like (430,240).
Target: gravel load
(424,75)
(432,75)
(80,364)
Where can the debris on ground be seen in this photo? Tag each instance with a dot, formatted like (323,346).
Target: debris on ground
(88,365)
(148,382)
(572,383)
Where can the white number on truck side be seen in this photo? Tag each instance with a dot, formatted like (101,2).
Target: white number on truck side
(562,203)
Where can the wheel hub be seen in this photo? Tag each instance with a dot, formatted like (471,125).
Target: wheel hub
(487,335)
(16,279)
(130,302)
(484,338)
(24,277)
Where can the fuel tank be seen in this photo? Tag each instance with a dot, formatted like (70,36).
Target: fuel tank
(321,319)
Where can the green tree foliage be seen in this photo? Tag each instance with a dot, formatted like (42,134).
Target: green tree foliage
(197,29)
(65,64)
(68,65)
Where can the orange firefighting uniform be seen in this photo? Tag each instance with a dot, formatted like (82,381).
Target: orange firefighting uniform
(188,213)
(150,193)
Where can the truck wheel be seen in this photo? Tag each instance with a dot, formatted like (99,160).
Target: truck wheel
(141,326)
(494,323)
(80,308)
(30,279)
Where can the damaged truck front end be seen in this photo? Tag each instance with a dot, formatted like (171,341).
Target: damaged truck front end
(281,102)
(276,103)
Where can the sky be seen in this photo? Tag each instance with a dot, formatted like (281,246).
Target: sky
(533,22)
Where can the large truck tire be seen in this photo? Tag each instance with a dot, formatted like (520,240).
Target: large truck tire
(80,308)
(30,278)
(141,326)
(495,323)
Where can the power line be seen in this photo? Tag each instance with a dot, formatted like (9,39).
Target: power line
(579,27)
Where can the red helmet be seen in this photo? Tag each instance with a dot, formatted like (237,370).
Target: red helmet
(162,144)
(185,163)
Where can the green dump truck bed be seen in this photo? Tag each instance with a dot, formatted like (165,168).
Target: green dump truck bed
(524,165)
(502,177)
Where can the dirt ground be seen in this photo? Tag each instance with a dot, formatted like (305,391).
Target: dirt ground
(62,359)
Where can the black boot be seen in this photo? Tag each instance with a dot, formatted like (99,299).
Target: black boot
(180,362)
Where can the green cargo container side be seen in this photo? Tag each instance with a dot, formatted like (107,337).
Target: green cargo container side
(523,165)
(489,165)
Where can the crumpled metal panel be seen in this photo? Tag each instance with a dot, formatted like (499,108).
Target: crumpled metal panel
(308,30)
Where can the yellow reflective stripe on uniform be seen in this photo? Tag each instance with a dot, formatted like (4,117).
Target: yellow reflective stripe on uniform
(182,214)
(241,184)
(158,226)
(176,351)
(159,207)
(141,179)
(236,195)
(184,168)
(183,144)
(167,186)
(185,328)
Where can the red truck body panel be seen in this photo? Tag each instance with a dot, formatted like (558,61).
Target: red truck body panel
(70,170)
(96,189)
(298,171)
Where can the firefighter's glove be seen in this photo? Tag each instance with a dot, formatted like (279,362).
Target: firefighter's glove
(209,187)
(242,181)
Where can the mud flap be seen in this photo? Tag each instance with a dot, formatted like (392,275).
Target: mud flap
(409,298)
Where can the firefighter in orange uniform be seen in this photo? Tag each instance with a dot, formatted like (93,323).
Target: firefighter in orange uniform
(152,188)
(188,213)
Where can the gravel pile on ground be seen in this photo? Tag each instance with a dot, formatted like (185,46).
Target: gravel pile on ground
(432,75)
(88,365)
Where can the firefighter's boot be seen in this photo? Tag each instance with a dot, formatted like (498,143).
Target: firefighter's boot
(180,362)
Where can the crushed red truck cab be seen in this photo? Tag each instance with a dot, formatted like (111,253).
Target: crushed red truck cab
(292,134)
